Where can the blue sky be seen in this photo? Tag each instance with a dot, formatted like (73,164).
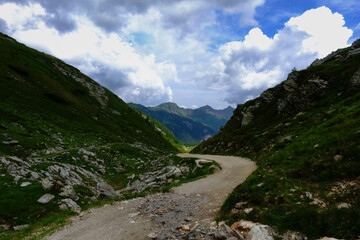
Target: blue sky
(194,53)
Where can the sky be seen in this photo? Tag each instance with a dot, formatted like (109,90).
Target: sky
(191,52)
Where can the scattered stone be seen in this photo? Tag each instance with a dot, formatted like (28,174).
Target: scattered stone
(25,184)
(106,190)
(309,195)
(134,214)
(316,146)
(34,176)
(121,170)
(286,139)
(338,158)
(46,198)
(10,142)
(69,192)
(240,204)
(20,227)
(5,226)
(261,232)
(132,222)
(152,236)
(185,227)
(344,205)
(248,210)
(68,203)
(328,238)
(47,184)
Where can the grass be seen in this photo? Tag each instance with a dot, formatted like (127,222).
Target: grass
(290,170)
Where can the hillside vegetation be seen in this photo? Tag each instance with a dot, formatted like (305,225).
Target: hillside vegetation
(67,143)
(304,135)
(190,126)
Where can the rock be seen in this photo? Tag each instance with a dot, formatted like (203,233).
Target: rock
(5,226)
(316,146)
(344,205)
(248,210)
(185,169)
(243,225)
(34,176)
(24,184)
(338,158)
(308,195)
(68,191)
(240,204)
(328,238)
(106,190)
(46,184)
(261,232)
(199,162)
(247,116)
(132,176)
(70,204)
(177,173)
(286,139)
(10,142)
(20,227)
(46,198)
(138,186)
(152,236)
(185,227)
(121,170)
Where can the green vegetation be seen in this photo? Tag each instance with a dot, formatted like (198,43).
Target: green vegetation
(59,124)
(308,178)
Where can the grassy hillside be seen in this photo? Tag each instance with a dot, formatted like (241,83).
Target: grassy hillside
(304,135)
(64,135)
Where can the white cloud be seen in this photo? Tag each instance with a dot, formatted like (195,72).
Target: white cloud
(325,30)
(133,76)
(246,68)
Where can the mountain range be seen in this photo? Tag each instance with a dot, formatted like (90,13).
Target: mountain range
(190,126)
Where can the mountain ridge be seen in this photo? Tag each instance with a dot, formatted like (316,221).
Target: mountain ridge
(190,126)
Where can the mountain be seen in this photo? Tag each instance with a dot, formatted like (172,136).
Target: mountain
(304,135)
(188,125)
(67,142)
(185,130)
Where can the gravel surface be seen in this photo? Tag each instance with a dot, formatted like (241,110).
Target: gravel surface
(186,212)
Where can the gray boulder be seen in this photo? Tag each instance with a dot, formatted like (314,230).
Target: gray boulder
(47,184)
(46,198)
(261,232)
(68,191)
(106,190)
(70,204)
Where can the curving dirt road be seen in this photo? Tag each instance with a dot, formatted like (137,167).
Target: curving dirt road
(192,203)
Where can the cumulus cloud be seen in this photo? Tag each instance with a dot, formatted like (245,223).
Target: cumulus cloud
(246,68)
(104,56)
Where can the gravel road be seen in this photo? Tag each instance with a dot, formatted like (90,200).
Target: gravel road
(192,204)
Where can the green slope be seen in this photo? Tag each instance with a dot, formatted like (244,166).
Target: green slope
(304,135)
(58,124)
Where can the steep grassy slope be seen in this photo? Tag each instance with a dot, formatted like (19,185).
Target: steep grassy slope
(63,134)
(188,125)
(304,135)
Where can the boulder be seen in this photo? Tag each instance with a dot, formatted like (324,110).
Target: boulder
(106,190)
(24,184)
(46,198)
(344,205)
(47,184)
(261,232)
(69,204)
(69,192)
(338,158)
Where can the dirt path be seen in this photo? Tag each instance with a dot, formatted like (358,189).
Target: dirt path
(194,204)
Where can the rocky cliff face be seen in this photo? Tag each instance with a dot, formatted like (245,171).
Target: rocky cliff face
(326,81)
